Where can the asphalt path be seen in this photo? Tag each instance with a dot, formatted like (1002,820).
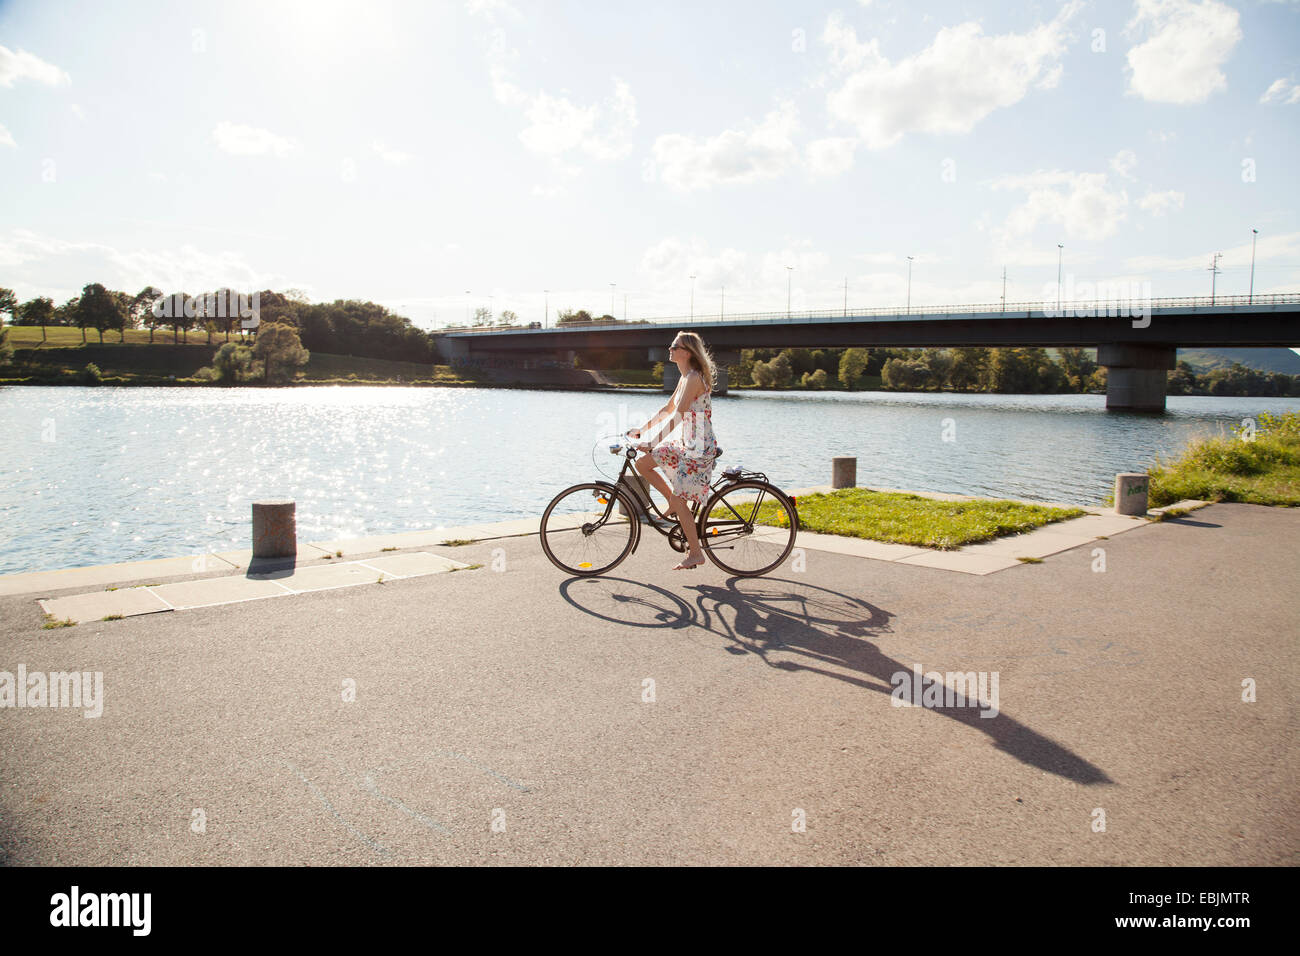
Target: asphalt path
(511,715)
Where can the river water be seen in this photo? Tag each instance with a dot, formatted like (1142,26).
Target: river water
(99,475)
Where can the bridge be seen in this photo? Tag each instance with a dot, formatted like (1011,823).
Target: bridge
(1135,339)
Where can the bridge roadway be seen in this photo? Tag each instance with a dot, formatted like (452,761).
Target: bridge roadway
(1136,339)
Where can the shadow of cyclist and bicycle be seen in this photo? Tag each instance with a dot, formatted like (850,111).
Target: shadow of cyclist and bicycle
(795,626)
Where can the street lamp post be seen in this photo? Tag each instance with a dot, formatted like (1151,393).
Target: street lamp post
(546,308)
(611,299)
(1253,237)
(467,302)
(692,298)
(1060,255)
(789,275)
(722,311)
(909,284)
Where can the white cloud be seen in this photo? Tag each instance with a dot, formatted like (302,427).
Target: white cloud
(1160,203)
(959,79)
(1124,162)
(830,157)
(394,157)
(1083,204)
(733,157)
(23,65)
(250,141)
(673,260)
(1285,247)
(1187,42)
(6,138)
(1282,90)
(491,9)
(187,269)
(557,126)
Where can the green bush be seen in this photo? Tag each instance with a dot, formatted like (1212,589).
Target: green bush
(90,375)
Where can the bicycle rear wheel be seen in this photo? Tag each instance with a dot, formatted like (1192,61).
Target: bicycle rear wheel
(748,528)
(583,532)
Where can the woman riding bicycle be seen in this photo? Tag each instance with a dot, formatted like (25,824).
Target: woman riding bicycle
(688,460)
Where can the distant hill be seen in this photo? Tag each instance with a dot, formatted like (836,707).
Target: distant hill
(1262,360)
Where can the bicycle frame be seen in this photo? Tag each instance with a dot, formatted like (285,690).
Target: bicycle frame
(640,511)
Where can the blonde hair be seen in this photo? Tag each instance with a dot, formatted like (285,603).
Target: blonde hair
(701,360)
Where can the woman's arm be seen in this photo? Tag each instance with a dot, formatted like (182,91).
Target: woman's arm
(657,417)
(686,395)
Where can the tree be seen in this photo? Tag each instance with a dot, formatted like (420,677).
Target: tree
(852,364)
(232,363)
(98,309)
(482,316)
(66,314)
(940,363)
(142,309)
(1078,366)
(969,368)
(905,374)
(124,320)
(8,305)
(763,375)
(815,379)
(279,350)
(38,311)
(509,318)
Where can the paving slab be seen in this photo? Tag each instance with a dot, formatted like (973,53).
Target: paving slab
(1036,544)
(965,563)
(322,577)
(242,559)
(431,537)
(210,591)
(859,547)
(31,582)
(410,565)
(127,602)
(1096,525)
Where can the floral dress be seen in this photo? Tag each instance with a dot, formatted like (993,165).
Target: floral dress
(687,461)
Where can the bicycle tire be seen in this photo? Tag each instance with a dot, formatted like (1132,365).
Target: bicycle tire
(723,542)
(563,539)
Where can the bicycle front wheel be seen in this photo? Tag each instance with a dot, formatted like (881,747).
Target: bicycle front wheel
(583,531)
(748,528)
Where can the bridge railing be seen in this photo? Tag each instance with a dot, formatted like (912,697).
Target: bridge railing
(1076,308)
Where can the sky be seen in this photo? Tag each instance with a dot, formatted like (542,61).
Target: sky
(442,157)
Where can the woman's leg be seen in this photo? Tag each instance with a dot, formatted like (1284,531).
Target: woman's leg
(687,519)
(677,505)
(645,466)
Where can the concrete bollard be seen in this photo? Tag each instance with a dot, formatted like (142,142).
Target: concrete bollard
(1131,493)
(275,529)
(844,472)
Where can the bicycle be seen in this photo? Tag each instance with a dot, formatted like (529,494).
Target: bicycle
(747,526)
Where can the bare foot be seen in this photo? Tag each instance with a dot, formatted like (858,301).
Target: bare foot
(691,561)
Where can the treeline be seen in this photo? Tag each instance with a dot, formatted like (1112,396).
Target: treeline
(342,327)
(999,370)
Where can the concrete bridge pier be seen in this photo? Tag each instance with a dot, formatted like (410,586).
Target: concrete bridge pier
(720,360)
(1136,375)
